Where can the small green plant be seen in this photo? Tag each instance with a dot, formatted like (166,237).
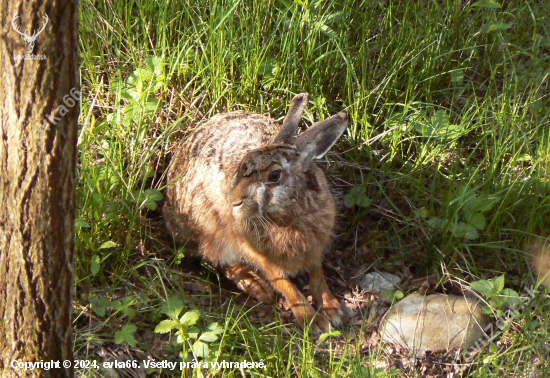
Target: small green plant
(148,198)
(327,335)
(466,214)
(394,295)
(100,306)
(188,333)
(497,296)
(495,25)
(126,334)
(138,88)
(437,126)
(357,196)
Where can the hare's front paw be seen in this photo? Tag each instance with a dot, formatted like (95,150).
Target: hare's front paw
(304,313)
(320,325)
(250,282)
(331,310)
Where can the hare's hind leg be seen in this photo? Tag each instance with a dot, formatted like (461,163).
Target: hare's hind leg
(323,298)
(250,282)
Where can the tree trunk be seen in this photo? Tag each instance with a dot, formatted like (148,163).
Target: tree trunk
(38,135)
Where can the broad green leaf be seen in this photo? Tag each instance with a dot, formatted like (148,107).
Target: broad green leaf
(465,231)
(266,66)
(159,82)
(363,201)
(482,203)
(437,223)
(144,74)
(117,305)
(494,26)
(172,307)
(326,30)
(437,127)
(99,310)
(115,86)
(510,297)
(151,105)
(155,64)
(487,4)
(489,288)
(440,119)
(215,328)
(150,204)
(477,220)
(357,196)
(190,317)
(487,201)
(471,233)
(208,337)
(534,325)
(93,299)
(94,267)
(495,302)
(457,77)
(485,287)
(398,294)
(524,157)
(127,309)
(129,94)
(326,335)
(98,306)
(193,332)
(108,244)
(166,326)
(126,334)
(487,310)
(153,194)
(498,283)
(81,224)
(335,17)
(148,198)
(131,80)
(128,301)
(201,349)
(421,213)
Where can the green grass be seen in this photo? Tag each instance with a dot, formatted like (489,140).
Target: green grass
(449,137)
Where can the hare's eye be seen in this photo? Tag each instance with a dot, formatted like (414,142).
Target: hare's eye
(274,176)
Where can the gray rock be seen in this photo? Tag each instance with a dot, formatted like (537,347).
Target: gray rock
(434,322)
(377,282)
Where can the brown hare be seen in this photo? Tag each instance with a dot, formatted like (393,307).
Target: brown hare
(249,191)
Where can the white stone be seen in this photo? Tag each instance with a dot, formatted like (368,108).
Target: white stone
(434,322)
(377,282)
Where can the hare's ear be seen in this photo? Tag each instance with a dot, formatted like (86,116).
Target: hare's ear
(319,138)
(292,119)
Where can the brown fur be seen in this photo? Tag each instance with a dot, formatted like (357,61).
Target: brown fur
(221,192)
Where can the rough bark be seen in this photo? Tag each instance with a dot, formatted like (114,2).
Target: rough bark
(37,185)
